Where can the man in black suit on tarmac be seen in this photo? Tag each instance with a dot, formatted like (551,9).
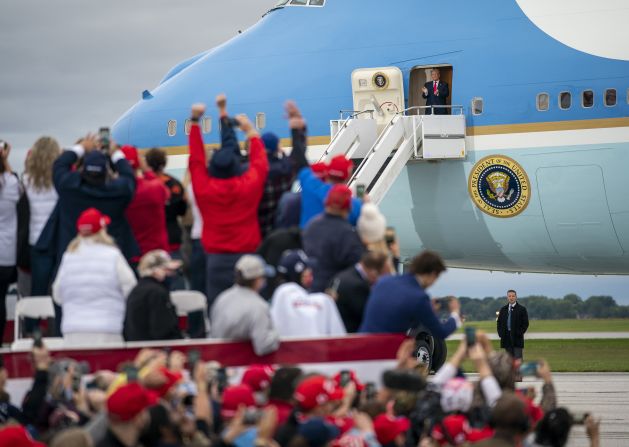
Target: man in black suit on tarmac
(513,321)
(436,93)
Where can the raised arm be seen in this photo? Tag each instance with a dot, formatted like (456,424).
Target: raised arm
(197,162)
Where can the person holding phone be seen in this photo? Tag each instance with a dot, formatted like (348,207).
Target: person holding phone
(512,324)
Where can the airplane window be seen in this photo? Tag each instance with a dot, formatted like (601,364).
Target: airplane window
(317,2)
(260,120)
(542,101)
(187,126)
(610,97)
(477,106)
(587,99)
(207,124)
(565,100)
(172,128)
(299,2)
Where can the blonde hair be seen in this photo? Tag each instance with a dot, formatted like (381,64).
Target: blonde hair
(102,237)
(39,163)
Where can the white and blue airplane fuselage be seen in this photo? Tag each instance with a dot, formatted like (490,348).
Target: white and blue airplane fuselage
(553,81)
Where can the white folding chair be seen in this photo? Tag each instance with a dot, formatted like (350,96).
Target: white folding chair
(31,307)
(186,301)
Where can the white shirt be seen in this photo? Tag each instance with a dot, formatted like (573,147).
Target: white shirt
(9,196)
(296,313)
(197,220)
(41,203)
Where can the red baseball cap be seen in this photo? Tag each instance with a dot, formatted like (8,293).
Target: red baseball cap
(353,377)
(315,391)
(234,397)
(340,168)
(320,170)
(91,221)
(17,436)
(258,377)
(128,401)
(131,154)
(388,427)
(172,378)
(339,197)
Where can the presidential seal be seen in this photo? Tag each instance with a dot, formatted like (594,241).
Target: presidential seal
(499,186)
(380,80)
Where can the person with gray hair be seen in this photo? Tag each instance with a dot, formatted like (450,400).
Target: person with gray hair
(240,312)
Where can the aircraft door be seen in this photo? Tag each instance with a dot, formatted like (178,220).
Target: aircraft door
(380,90)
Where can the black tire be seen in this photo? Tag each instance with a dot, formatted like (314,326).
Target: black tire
(440,354)
(423,348)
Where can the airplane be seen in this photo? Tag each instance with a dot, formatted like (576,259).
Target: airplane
(524,173)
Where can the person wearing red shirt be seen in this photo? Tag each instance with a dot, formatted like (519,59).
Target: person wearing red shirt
(149,200)
(228,195)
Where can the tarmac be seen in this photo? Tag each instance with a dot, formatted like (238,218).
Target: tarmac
(560,336)
(604,395)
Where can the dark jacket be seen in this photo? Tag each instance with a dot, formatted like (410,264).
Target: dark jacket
(519,325)
(333,245)
(397,304)
(436,100)
(75,196)
(353,292)
(176,206)
(150,313)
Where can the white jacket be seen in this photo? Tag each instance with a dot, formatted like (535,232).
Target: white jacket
(299,314)
(41,204)
(92,287)
(9,196)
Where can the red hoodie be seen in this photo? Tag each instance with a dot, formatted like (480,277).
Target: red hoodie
(146,214)
(229,207)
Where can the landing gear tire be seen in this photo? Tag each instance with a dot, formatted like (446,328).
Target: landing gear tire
(440,354)
(430,350)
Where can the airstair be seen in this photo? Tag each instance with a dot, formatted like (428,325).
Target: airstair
(352,136)
(406,138)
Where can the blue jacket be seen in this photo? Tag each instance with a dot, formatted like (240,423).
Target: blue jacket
(333,245)
(313,194)
(398,303)
(75,196)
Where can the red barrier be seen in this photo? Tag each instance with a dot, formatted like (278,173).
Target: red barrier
(321,350)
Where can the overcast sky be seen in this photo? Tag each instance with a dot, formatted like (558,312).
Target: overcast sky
(72,66)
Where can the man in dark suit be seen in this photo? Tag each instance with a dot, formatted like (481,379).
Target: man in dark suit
(351,288)
(436,93)
(513,321)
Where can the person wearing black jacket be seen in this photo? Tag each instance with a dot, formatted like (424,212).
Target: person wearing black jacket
(150,313)
(513,321)
(353,285)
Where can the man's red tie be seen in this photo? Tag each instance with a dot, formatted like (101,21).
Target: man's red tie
(434,87)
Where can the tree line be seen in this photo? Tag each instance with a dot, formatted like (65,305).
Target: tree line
(545,308)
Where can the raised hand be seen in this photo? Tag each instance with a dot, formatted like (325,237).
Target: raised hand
(197,111)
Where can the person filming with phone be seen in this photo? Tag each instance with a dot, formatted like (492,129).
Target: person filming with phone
(513,321)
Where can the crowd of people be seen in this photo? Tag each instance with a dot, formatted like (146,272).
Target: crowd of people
(168,399)
(109,235)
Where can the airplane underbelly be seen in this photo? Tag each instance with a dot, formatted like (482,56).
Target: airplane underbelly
(576,219)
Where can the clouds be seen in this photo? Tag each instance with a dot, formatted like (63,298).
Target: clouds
(71,66)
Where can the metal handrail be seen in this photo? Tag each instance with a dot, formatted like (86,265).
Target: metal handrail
(403,112)
(355,113)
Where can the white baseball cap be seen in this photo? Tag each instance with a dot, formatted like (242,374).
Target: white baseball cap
(253,266)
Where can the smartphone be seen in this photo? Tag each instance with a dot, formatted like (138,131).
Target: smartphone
(360,190)
(370,391)
(104,136)
(193,358)
(529,369)
(443,304)
(76,383)
(346,378)
(252,416)
(221,379)
(132,374)
(389,235)
(37,340)
(579,417)
(470,335)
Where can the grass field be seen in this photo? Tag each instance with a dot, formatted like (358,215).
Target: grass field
(604,325)
(573,355)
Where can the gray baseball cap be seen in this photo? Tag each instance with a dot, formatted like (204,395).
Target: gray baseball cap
(253,266)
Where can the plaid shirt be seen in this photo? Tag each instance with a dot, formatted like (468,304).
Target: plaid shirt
(273,190)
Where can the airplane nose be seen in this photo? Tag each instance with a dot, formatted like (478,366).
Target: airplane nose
(121,130)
